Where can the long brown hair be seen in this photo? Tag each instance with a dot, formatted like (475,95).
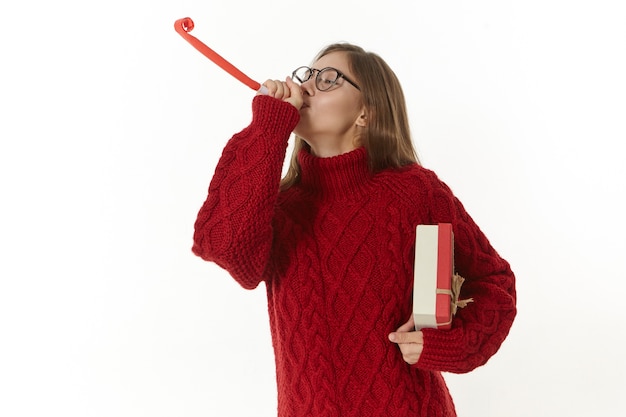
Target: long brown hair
(387,138)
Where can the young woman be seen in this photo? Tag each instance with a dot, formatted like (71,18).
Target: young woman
(333,242)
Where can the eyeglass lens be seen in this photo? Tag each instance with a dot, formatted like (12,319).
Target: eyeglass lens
(324,80)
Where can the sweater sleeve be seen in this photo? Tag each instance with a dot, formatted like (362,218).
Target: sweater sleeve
(234,225)
(479,329)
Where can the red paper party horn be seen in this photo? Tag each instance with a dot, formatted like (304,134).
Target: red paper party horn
(185,25)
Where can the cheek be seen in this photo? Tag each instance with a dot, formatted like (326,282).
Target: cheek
(341,111)
(328,114)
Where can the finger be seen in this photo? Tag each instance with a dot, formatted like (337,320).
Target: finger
(407,337)
(411,352)
(295,93)
(271,87)
(280,90)
(295,89)
(409,326)
(275,88)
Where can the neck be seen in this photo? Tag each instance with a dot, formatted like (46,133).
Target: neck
(330,151)
(340,176)
(329,146)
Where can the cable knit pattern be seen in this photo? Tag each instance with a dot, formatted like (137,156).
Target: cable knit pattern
(336,254)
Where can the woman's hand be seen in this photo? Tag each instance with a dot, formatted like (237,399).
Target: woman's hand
(285,90)
(410,341)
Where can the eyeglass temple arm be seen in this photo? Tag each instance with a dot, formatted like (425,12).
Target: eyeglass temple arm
(185,25)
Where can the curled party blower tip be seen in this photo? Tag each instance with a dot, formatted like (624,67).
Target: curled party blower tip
(185,25)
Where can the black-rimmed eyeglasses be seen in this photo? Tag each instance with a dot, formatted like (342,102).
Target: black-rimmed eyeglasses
(326,77)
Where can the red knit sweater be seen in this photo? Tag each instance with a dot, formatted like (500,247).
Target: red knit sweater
(336,254)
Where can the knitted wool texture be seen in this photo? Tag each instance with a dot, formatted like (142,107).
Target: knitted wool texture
(336,254)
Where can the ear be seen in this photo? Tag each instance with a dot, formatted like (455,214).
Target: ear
(361,121)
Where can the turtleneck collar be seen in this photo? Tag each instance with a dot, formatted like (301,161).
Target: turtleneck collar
(338,176)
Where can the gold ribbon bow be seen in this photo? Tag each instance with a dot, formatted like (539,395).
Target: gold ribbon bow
(454,292)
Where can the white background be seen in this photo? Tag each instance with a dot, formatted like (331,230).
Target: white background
(111,126)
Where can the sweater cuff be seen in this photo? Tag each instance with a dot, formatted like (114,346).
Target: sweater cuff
(274,116)
(446,350)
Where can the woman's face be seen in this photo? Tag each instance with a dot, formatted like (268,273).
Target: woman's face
(330,121)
